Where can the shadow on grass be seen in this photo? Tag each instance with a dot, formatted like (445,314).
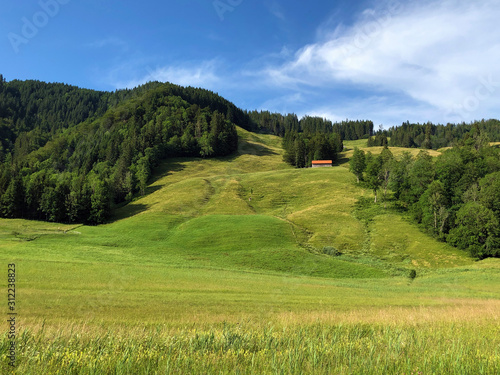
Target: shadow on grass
(253,149)
(129,210)
(167,167)
(341,161)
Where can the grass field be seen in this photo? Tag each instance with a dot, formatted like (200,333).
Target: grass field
(396,151)
(231,265)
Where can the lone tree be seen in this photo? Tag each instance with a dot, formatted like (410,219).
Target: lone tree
(374,175)
(357,164)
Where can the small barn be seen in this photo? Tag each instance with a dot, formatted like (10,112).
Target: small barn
(322,163)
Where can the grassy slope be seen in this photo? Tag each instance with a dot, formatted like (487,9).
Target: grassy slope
(215,271)
(362,145)
(225,239)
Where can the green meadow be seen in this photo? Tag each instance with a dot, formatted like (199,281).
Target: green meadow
(245,265)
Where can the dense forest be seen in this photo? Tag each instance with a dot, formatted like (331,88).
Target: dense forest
(69,154)
(302,148)
(32,112)
(430,136)
(455,197)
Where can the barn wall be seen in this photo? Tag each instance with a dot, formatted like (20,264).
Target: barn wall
(321,165)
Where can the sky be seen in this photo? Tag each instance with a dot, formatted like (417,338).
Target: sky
(389,61)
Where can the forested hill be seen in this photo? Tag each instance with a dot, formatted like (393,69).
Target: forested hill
(33,112)
(69,154)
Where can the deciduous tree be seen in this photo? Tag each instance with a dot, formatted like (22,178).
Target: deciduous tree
(357,164)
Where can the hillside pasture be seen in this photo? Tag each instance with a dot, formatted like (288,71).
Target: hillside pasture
(232,265)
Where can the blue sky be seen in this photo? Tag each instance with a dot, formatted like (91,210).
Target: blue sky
(387,61)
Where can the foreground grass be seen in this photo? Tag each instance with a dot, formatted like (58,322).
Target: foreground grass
(439,347)
(125,293)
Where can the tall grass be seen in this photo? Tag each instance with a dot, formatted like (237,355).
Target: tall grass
(360,348)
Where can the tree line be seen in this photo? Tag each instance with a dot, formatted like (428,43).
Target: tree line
(431,136)
(454,197)
(70,155)
(279,124)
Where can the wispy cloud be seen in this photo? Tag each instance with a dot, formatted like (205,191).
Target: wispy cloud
(418,61)
(437,53)
(383,110)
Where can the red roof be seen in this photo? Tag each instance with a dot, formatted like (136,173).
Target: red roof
(322,162)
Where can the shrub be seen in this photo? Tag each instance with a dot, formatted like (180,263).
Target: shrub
(330,250)
(412,275)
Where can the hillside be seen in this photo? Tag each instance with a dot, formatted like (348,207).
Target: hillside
(249,211)
(163,152)
(244,214)
(72,155)
(318,204)
(227,259)
(223,259)
(69,154)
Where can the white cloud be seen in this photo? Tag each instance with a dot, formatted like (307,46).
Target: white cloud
(203,75)
(442,55)
(323,112)
(423,61)
(380,109)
